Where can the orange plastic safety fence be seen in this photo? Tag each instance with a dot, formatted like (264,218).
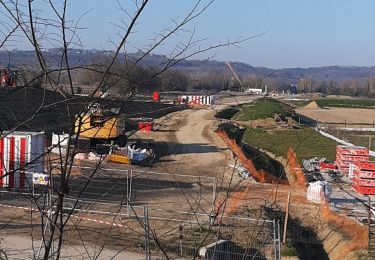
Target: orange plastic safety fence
(295,168)
(259,176)
(350,227)
(236,198)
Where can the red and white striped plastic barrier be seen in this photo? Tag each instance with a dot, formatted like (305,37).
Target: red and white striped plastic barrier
(198,100)
(16,150)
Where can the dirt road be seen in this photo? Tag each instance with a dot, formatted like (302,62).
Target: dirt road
(189,145)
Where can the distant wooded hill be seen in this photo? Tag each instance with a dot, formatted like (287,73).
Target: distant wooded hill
(88,57)
(192,75)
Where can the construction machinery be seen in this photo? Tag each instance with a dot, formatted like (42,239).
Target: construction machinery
(244,87)
(234,74)
(8,77)
(101,125)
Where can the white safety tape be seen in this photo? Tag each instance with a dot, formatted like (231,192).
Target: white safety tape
(98,221)
(10,206)
(73,216)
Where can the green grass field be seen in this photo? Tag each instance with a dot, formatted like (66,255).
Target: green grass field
(353,103)
(262,108)
(354,137)
(306,142)
(348,103)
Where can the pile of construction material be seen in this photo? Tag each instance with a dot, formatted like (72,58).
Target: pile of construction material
(130,154)
(311,165)
(319,191)
(364,177)
(315,167)
(311,169)
(353,161)
(346,156)
(242,171)
(116,154)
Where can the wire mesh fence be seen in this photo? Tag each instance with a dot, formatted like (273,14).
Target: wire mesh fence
(360,135)
(184,227)
(184,233)
(233,237)
(162,213)
(170,191)
(157,190)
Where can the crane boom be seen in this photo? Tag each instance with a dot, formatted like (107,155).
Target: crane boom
(234,73)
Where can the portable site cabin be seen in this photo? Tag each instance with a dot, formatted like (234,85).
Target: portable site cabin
(21,154)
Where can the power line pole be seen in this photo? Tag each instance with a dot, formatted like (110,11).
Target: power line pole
(147,233)
(48,225)
(371,242)
(286,218)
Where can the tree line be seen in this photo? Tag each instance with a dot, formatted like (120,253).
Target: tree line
(140,79)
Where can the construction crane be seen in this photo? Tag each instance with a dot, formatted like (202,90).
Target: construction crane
(245,87)
(234,74)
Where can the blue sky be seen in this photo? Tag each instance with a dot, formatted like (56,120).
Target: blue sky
(299,33)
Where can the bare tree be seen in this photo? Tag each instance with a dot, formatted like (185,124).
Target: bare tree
(27,23)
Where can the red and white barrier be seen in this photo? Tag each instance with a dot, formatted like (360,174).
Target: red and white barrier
(364,177)
(347,155)
(198,100)
(20,152)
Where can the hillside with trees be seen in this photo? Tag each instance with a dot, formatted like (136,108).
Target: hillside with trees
(200,75)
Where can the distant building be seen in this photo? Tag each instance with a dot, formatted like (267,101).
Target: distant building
(256,91)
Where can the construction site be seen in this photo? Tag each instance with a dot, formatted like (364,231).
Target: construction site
(225,176)
(186,130)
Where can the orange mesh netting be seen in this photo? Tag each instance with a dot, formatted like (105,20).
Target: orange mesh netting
(295,168)
(235,200)
(350,227)
(259,176)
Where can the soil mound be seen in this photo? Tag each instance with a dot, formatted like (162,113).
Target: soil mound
(312,105)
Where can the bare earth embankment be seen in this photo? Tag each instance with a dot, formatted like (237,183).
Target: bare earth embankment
(340,115)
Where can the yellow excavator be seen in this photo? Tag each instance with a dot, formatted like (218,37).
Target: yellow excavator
(100,125)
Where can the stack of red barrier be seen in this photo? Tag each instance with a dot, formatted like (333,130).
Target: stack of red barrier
(326,166)
(346,155)
(364,178)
